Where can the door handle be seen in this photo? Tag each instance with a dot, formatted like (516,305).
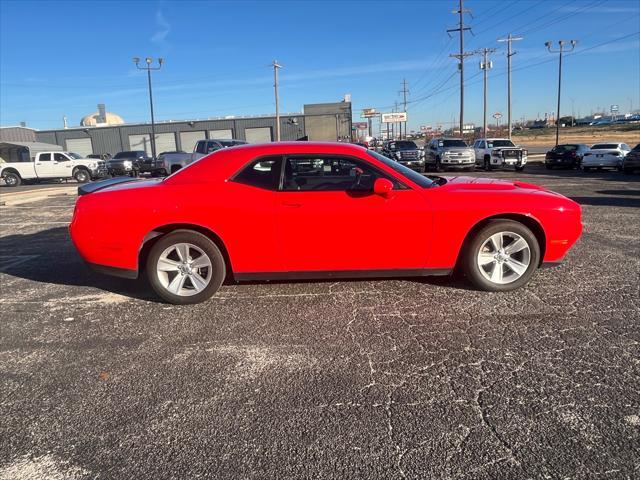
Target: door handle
(291,204)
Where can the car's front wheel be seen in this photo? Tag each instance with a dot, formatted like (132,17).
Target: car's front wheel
(81,175)
(185,267)
(502,256)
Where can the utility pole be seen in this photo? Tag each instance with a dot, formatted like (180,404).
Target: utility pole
(485,66)
(561,44)
(510,53)
(149,68)
(276,66)
(404,92)
(461,55)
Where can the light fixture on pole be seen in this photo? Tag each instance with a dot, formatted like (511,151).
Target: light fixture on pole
(148,61)
(563,47)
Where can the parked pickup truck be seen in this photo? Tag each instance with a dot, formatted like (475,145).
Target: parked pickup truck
(50,165)
(498,152)
(172,162)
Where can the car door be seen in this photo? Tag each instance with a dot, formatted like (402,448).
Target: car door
(62,165)
(329,219)
(478,149)
(45,167)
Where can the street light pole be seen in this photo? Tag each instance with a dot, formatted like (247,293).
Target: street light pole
(561,50)
(276,66)
(148,68)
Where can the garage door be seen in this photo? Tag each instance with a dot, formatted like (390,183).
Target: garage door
(220,134)
(258,135)
(165,142)
(188,140)
(81,146)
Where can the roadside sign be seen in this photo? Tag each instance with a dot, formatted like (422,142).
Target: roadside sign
(614,108)
(360,125)
(497,115)
(394,117)
(425,128)
(369,113)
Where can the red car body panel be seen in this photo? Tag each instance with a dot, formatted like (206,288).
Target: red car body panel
(265,231)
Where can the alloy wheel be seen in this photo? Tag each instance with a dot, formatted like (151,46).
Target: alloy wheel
(504,257)
(184,269)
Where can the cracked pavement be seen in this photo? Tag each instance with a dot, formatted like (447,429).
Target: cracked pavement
(416,378)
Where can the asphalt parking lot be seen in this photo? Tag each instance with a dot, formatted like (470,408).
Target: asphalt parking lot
(350,379)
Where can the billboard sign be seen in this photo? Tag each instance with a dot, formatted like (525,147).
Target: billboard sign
(360,125)
(614,108)
(394,117)
(369,113)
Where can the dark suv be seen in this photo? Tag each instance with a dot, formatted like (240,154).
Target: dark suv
(128,163)
(631,161)
(406,153)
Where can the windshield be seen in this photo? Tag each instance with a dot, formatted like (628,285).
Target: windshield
(636,148)
(404,145)
(414,176)
(74,155)
(454,143)
(604,146)
(500,143)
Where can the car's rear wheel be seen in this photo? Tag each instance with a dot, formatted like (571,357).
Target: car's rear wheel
(12,179)
(185,267)
(502,256)
(487,163)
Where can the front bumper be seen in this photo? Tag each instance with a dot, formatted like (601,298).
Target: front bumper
(99,172)
(412,164)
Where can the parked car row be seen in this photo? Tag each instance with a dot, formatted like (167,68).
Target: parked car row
(607,155)
(454,153)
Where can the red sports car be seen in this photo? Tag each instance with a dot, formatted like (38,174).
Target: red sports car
(306,210)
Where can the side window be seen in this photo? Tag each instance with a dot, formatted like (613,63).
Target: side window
(200,147)
(262,173)
(44,157)
(327,174)
(212,147)
(59,157)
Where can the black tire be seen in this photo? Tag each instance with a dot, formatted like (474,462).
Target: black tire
(82,175)
(437,166)
(586,169)
(472,246)
(549,167)
(12,179)
(519,169)
(487,163)
(206,245)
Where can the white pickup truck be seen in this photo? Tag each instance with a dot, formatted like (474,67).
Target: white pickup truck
(22,167)
(171,162)
(499,152)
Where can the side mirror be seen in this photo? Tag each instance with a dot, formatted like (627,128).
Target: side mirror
(382,187)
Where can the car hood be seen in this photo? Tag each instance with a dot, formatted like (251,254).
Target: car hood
(459,150)
(482,183)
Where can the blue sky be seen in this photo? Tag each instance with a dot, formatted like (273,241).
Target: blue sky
(62,58)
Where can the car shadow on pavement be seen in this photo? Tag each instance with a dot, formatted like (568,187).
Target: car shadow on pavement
(610,201)
(48,256)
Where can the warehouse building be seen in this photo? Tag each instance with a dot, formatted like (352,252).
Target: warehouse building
(319,122)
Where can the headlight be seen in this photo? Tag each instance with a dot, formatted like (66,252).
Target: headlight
(495,154)
(398,155)
(525,152)
(127,163)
